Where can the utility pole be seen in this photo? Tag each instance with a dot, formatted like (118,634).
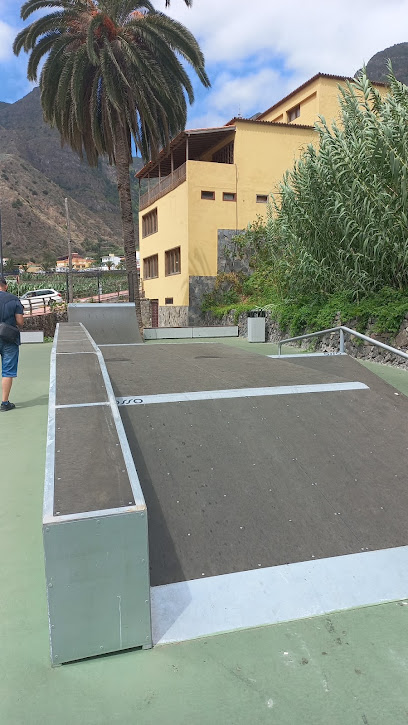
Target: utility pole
(70,285)
(1,249)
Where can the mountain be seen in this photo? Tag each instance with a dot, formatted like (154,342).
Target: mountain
(377,65)
(36,174)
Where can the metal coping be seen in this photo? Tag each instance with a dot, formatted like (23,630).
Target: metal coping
(48,505)
(124,444)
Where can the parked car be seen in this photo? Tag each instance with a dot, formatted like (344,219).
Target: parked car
(39,298)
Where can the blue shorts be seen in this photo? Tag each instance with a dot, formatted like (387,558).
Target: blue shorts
(9,359)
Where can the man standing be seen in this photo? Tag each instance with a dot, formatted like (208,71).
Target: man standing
(11,312)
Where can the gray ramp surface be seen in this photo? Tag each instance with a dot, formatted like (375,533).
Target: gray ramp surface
(90,472)
(79,379)
(233,485)
(155,369)
(107,323)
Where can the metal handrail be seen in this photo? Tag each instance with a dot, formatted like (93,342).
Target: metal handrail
(342,329)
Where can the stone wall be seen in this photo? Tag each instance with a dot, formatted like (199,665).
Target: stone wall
(173,316)
(330,342)
(146,311)
(46,323)
(226,256)
(198,287)
(202,285)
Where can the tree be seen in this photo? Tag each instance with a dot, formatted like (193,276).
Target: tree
(10,266)
(112,74)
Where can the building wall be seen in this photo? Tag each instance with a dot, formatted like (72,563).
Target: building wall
(207,216)
(263,153)
(319,98)
(172,222)
(308,98)
(328,98)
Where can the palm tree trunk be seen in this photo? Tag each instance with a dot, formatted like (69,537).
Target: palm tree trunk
(128,227)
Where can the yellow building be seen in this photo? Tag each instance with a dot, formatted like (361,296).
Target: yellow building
(211,183)
(78,262)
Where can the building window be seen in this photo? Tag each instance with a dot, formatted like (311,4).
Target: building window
(224,155)
(262,198)
(208,195)
(168,301)
(228,196)
(151,267)
(173,261)
(293,113)
(149,223)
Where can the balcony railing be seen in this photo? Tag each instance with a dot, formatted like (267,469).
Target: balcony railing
(165,185)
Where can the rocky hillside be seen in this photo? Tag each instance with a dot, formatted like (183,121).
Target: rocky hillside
(377,65)
(36,175)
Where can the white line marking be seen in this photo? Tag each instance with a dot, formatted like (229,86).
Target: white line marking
(307,354)
(198,608)
(78,352)
(239,393)
(81,405)
(122,344)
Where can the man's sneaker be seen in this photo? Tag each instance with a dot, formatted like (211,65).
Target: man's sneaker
(6,407)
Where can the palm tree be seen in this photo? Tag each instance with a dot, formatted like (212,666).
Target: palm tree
(112,74)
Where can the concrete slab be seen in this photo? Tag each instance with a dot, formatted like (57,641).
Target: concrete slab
(168,333)
(235,485)
(221,331)
(183,333)
(32,336)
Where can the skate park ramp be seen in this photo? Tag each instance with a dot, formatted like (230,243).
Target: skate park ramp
(107,323)
(275,489)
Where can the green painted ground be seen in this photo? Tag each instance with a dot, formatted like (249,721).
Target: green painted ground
(347,669)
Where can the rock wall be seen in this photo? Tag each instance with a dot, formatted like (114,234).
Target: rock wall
(226,258)
(173,316)
(46,323)
(330,342)
(198,287)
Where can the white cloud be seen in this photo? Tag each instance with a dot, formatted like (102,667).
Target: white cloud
(310,35)
(242,95)
(7,35)
(293,40)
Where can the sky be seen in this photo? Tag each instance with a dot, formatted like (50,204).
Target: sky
(256,52)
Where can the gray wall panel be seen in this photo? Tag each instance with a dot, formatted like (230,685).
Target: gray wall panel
(97,581)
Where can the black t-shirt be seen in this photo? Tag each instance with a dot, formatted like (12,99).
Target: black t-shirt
(10,306)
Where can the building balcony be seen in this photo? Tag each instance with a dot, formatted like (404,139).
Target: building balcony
(164,186)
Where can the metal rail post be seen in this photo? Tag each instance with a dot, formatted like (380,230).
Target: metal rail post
(341,349)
